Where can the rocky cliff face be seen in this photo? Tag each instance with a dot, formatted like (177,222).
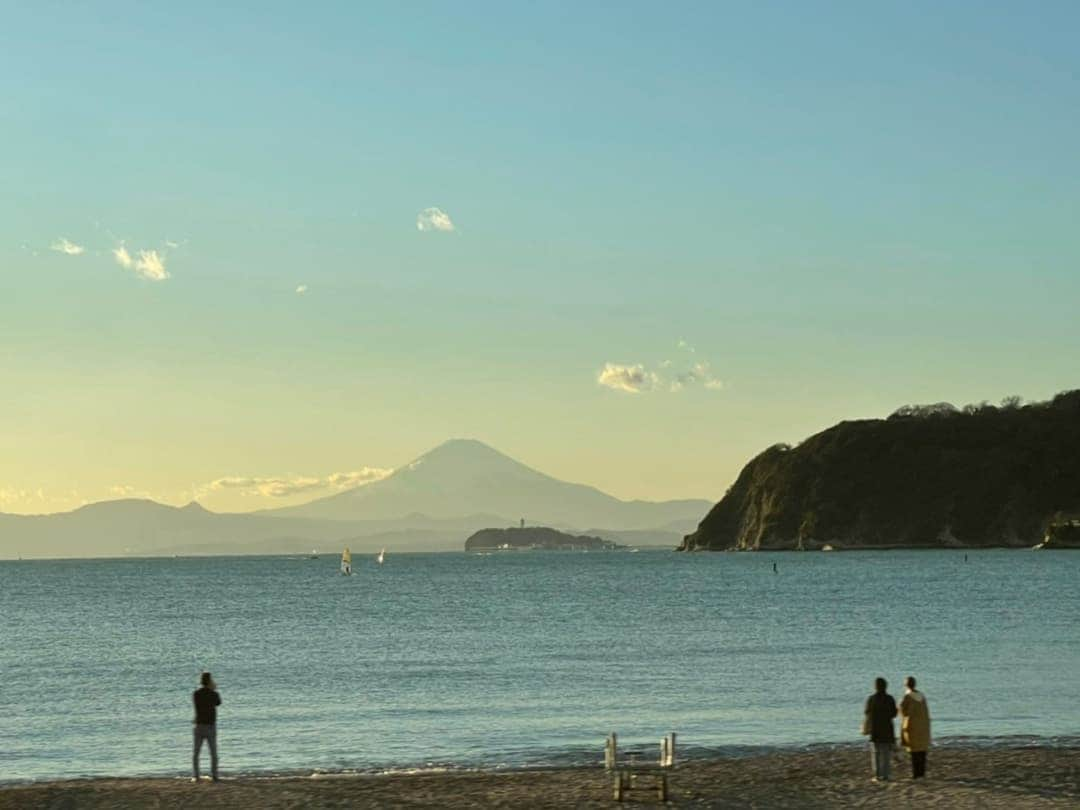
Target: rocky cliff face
(923,478)
(1063,535)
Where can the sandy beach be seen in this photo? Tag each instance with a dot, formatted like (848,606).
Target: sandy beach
(1025,777)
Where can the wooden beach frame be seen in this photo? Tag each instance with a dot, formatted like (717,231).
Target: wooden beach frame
(627,770)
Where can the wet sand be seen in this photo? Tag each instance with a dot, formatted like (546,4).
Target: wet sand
(1019,778)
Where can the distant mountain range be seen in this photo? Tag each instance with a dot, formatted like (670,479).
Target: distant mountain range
(431,504)
(465,477)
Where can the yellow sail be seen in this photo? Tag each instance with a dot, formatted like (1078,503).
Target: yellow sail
(346,561)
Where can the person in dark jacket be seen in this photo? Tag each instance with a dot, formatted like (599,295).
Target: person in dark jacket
(206,700)
(880,711)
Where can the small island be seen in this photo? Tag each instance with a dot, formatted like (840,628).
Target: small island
(535,537)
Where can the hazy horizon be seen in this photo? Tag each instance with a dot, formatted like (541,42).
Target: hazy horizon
(433,503)
(304,493)
(255,260)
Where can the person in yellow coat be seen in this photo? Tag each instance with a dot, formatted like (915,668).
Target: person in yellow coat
(915,727)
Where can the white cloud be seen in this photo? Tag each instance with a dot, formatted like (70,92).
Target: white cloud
(698,373)
(128,491)
(632,379)
(151,265)
(62,245)
(637,378)
(301,289)
(148,264)
(283,487)
(434,219)
(682,344)
(274,487)
(123,258)
(690,376)
(364,475)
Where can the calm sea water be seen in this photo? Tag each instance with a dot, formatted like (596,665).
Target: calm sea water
(519,658)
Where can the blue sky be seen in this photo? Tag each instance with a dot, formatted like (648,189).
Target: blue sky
(841,208)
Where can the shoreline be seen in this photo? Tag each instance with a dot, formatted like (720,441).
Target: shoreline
(961,775)
(577,759)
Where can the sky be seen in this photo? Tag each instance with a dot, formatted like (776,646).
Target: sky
(257,254)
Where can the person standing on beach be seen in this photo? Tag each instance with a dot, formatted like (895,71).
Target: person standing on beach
(915,726)
(206,700)
(879,713)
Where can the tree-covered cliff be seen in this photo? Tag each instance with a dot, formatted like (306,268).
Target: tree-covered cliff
(928,476)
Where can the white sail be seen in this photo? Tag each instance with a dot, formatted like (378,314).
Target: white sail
(346,562)
(381,556)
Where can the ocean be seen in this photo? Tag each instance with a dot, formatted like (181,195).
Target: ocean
(520,658)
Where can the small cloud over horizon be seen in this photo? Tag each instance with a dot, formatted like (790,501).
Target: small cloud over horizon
(128,491)
(151,265)
(147,264)
(365,475)
(29,501)
(12,494)
(434,219)
(301,289)
(67,247)
(286,486)
(635,378)
(698,373)
(123,258)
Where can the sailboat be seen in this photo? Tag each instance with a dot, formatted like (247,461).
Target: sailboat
(380,556)
(346,562)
